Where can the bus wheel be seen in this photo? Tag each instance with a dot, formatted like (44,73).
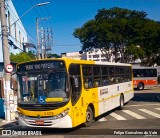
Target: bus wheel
(140,86)
(121,101)
(89,117)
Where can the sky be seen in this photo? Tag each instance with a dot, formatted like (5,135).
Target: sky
(67,15)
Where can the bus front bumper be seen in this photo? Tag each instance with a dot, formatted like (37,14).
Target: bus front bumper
(64,122)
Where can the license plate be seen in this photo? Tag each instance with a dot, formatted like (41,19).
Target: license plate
(39,122)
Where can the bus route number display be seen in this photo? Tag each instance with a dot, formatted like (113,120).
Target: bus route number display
(39,66)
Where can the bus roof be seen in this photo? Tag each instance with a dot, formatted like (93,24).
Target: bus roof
(80,61)
(140,67)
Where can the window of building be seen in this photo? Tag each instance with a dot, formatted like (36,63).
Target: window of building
(20,39)
(103,60)
(103,55)
(15,30)
(9,22)
(95,56)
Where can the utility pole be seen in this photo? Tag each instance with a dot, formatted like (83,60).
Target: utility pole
(48,41)
(6,59)
(42,42)
(38,44)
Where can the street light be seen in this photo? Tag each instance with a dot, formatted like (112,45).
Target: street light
(28,45)
(7,91)
(40,4)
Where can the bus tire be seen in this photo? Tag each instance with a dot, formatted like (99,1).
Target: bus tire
(89,117)
(121,102)
(140,86)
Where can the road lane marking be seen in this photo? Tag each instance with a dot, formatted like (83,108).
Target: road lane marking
(157,108)
(134,114)
(150,113)
(141,105)
(118,117)
(102,119)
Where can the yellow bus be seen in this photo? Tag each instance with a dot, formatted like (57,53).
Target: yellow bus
(64,93)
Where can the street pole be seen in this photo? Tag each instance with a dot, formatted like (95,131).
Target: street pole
(38,45)
(42,41)
(8,93)
(6,59)
(37,31)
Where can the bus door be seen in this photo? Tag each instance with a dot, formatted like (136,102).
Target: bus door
(76,101)
(76,88)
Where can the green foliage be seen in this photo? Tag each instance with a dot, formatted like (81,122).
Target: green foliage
(117,30)
(22,57)
(133,52)
(53,56)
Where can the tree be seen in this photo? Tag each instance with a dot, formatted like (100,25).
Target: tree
(22,57)
(150,43)
(133,52)
(53,56)
(113,30)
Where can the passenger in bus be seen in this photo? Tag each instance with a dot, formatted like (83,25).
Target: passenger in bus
(32,91)
(105,82)
(111,80)
(88,83)
(96,83)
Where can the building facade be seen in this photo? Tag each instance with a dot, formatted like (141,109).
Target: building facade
(16,37)
(95,55)
(16,32)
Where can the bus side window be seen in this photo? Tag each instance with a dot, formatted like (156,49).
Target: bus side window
(88,83)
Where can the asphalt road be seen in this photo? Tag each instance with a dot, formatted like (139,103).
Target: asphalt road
(140,117)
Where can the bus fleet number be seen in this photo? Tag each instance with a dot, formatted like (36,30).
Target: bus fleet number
(48,113)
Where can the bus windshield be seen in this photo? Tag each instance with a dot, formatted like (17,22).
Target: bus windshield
(43,87)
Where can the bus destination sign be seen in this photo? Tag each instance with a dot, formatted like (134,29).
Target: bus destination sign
(41,65)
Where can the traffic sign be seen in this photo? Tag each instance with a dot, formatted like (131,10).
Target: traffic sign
(9,68)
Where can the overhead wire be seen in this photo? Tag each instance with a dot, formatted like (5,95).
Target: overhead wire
(24,30)
(50,21)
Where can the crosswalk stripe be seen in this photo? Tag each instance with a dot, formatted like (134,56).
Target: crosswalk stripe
(157,108)
(150,113)
(134,114)
(118,117)
(102,119)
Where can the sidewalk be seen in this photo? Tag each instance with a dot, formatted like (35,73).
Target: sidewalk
(5,124)
(2,122)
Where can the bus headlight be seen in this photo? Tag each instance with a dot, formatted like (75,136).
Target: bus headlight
(64,113)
